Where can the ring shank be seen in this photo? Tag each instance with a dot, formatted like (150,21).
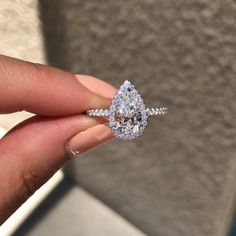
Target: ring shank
(156,111)
(98,112)
(150,111)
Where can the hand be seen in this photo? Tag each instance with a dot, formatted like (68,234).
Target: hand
(35,149)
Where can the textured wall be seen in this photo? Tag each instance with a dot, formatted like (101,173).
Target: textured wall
(20,30)
(20,37)
(179,178)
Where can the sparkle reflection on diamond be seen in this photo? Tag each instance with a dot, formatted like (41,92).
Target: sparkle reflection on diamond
(128,117)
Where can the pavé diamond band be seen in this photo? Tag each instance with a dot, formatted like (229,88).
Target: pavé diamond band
(127,114)
(150,111)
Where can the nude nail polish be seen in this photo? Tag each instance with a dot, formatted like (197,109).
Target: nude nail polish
(89,139)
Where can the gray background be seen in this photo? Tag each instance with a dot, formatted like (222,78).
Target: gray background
(179,178)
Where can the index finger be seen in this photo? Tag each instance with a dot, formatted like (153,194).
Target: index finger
(43,90)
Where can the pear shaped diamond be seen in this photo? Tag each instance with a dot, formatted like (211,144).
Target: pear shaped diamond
(128,115)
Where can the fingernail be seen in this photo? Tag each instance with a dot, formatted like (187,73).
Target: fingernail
(97,86)
(89,139)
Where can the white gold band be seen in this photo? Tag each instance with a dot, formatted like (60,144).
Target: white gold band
(98,112)
(156,111)
(150,111)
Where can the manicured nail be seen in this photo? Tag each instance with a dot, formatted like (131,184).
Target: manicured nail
(89,139)
(97,86)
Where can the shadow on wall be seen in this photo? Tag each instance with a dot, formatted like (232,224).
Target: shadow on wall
(233,230)
(53,15)
(45,207)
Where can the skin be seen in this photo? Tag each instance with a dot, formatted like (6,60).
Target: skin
(34,150)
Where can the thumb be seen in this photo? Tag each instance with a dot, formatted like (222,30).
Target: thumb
(34,150)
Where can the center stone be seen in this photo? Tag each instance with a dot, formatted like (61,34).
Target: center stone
(128,116)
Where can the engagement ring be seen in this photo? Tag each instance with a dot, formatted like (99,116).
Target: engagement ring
(127,115)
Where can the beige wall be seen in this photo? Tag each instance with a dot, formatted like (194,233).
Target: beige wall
(20,37)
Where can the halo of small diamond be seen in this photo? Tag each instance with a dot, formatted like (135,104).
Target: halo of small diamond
(128,115)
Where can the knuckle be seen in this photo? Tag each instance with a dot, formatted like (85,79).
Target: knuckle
(28,187)
(29,183)
(24,186)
